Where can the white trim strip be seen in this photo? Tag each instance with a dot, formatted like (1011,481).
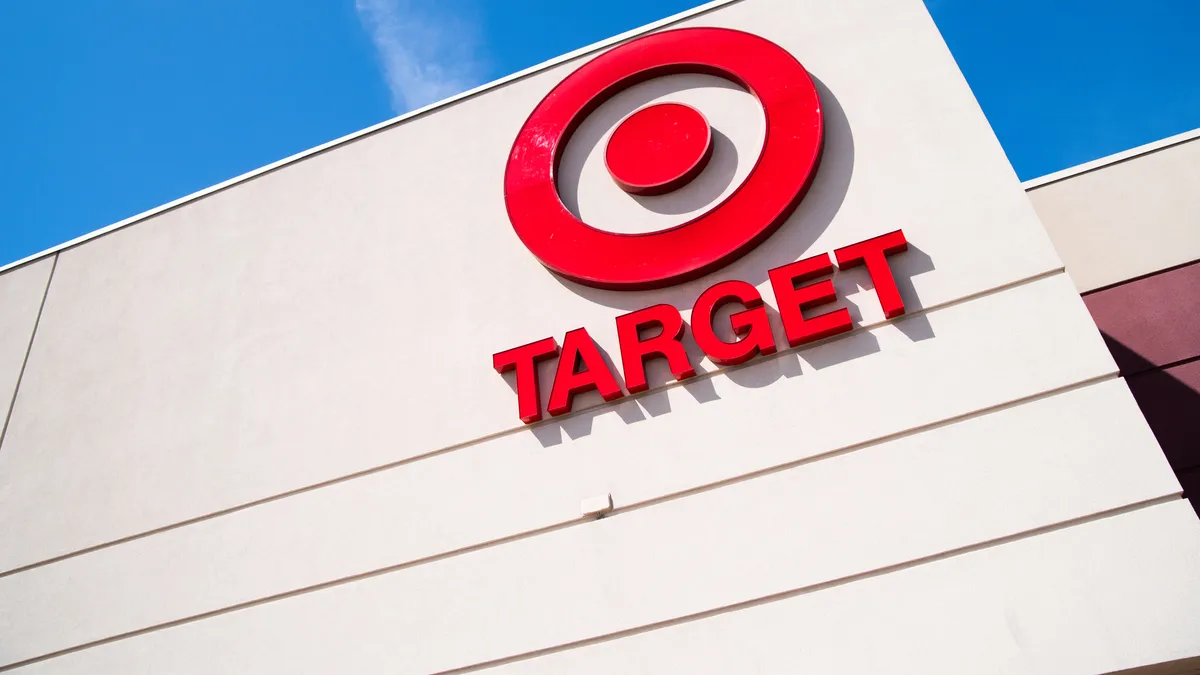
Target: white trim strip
(1146,149)
(582,51)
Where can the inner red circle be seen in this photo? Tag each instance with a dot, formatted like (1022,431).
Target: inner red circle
(658,149)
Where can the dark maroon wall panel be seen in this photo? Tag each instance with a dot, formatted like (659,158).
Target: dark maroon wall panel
(1170,400)
(1150,322)
(1152,327)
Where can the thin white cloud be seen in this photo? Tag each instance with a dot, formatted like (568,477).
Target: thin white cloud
(426,54)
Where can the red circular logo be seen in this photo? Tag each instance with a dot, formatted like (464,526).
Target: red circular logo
(673,143)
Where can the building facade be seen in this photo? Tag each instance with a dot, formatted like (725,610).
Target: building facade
(339,415)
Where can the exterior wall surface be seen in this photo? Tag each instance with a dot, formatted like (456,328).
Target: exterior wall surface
(261,432)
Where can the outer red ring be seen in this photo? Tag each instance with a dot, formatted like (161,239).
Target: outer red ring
(790,154)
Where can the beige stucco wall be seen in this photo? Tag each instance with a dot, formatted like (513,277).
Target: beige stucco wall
(1128,218)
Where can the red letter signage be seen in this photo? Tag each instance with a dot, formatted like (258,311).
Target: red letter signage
(524,360)
(751,324)
(581,368)
(792,300)
(874,253)
(667,343)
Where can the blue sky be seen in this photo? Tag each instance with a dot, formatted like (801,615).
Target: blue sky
(112,107)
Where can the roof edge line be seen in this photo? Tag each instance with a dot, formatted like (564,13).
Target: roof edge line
(1109,160)
(356,135)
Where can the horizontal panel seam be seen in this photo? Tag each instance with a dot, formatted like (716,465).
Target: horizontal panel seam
(813,588)
(879,440)
(517,429)
(513,430)
(554,527)
(1140,277)
(696,616)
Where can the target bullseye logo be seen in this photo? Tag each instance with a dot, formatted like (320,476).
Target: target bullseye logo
(659,149)
(653,151)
